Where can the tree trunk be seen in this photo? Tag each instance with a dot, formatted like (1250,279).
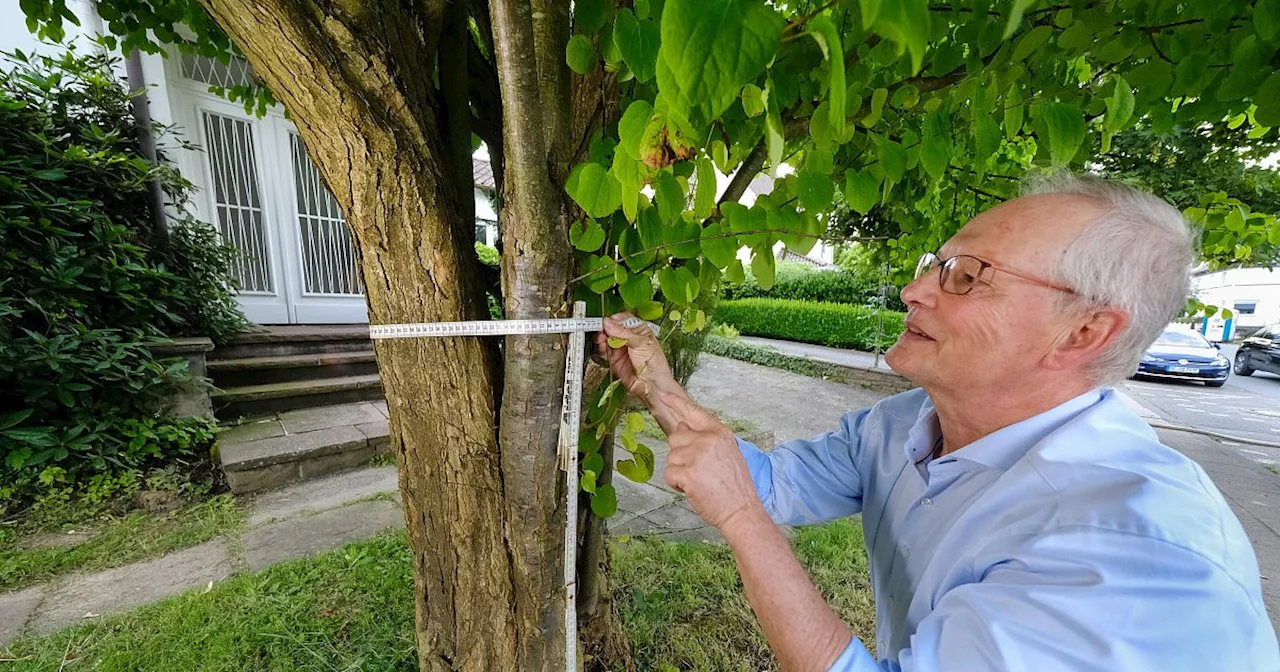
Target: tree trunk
(383,95)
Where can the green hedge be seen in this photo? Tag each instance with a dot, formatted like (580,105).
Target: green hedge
(806,283)
(832,324)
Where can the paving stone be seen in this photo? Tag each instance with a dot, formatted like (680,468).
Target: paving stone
(280,449)
(262,478)
(321,494)
(381,406)
(123,587)
(640,498)
(328,417)
(313,467)
(251,431)
(15,609)
(298,537)
(377,432)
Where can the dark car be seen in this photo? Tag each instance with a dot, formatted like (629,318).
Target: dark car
(1259,352)
(1185,355)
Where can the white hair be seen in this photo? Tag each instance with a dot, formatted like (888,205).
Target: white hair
(1137,256)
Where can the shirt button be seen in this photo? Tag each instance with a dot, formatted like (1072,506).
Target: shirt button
(927,503)
(906,551)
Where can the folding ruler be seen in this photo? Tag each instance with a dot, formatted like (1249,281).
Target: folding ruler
(570,418)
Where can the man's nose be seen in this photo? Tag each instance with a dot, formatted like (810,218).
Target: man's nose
(923,291)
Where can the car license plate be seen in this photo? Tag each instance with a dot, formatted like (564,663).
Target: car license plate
(1182,369)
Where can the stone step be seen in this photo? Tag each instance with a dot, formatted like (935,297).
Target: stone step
(295,340)
(267,462)
(246,371)
(258,400)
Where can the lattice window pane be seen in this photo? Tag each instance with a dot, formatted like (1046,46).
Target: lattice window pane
(236,72)
(329,261)
(237,200)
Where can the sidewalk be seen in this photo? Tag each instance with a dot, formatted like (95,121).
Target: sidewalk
(293,522)
(822,353)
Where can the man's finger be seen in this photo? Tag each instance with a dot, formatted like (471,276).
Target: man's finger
(673,475)
(635,337)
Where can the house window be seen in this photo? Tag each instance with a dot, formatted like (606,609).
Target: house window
(486,232)
(236,72)
(237,200)
(1245,307)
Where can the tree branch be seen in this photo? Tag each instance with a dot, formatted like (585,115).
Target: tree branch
(746,172)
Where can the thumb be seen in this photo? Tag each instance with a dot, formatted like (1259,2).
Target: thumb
(691,415)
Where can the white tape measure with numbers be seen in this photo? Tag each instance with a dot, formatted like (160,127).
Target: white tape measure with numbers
(570,418)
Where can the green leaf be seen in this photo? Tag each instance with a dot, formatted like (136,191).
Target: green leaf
(631,247)
(604,502)
(1266,18)
(631,127)
(743,219)
(637,290)
(819,161)
(594,189)
(679,285)
(906,22)
(1028,43)
(814,190)
(1066,127)
(600,273)
(591,15)
(705,200)
(870,10)
(720,154)
(986,135)
(1013,113)
(1015,17)
(893,159)
(763,266)
(775,137)
(668,196)
(861,190)
(1119,105)
(640,467)
(630,174)
(824,32)
(752,100)
(587,238)
(13,419)
(588,480)
(710,49)
(51,174)
(649,311)
(878,97)
(935,156)
(1267,98)
(580,54)
(637,40)
(634,422)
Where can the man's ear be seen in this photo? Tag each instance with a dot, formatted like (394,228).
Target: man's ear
(1088,337)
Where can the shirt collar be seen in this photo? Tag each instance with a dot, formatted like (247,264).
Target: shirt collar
(1003,447)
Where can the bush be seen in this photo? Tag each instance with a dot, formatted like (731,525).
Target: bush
(832,324)
(85,283)
(803,282)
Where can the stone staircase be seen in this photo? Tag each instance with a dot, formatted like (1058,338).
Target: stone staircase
(298,402)
(285,368)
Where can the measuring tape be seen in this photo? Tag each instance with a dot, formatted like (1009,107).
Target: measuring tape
(570,419)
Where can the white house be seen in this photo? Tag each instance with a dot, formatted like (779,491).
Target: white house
(1253,294)
(255,183)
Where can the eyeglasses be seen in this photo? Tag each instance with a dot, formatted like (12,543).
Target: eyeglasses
(961,272)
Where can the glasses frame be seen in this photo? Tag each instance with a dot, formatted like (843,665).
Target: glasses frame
(929,261)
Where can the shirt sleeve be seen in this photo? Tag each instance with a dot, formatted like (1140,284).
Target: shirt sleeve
(809,481)
(1089,599)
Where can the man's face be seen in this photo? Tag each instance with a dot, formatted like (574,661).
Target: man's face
(999,332)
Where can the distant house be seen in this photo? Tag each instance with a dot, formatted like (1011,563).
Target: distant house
(1253,294)
(255,183)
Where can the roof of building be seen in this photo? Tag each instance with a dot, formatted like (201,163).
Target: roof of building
(483,174)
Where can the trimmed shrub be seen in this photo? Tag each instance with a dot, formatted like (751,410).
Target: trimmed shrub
(833,324)
(802,282)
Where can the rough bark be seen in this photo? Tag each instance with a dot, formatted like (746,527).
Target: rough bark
(356,78)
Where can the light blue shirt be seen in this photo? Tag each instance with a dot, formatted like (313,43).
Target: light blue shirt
(1073,540)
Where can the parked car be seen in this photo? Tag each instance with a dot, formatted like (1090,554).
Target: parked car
(1182,354)
(1259,352)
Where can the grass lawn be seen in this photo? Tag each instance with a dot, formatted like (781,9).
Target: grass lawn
(352,609)
(120,541)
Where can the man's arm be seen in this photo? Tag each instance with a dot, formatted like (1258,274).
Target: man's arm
(804,633)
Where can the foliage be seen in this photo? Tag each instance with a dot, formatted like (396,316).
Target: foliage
(488,255)
(833,324)
(857,285)
(352,608)
(118,541)
(85,287)
(1205,165)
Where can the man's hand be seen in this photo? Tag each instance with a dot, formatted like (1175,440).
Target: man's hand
(706,465)
(641,367)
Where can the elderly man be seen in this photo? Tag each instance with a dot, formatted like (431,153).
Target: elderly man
(1017,515)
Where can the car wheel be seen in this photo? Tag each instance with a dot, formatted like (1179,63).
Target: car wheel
(1215,383)
(1241,365)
